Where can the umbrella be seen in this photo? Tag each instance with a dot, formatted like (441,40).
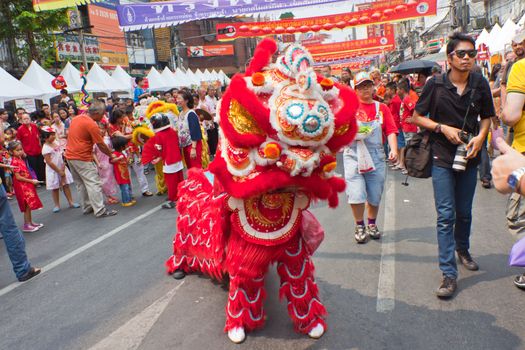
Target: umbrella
(414,66)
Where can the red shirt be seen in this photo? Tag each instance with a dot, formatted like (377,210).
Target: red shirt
(407,110)
(121,170)
(367,113)
(395,107)
(29,136)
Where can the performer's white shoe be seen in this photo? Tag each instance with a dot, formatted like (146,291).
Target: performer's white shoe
(237,335)
(316,332)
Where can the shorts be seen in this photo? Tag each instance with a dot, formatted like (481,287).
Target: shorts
(368,187)
(409,136)
(401,139)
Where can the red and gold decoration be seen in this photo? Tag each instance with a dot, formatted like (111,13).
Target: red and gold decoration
(378,12)
(281,127)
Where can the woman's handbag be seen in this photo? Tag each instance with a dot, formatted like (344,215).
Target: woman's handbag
(418,155)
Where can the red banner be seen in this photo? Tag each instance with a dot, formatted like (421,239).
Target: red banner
(386,42)
(379,12)
(210,50)
(347,55)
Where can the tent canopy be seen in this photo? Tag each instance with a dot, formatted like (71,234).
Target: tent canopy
(12,89)
(72,77)
(39,79)
(123,77)
(157,81)
(98,80)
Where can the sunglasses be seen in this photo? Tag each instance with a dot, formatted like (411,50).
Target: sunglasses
(463,53)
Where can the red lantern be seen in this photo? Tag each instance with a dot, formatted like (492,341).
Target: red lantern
(354,21)
(400,8)
(316,27)
(388,12)
(412,3)
(291,30)
(279,30)
(375,16)
(304,29)
(146,84)
(328,26)
(244,28)
(364,19)
(340,24)
(255,29)
(267,30)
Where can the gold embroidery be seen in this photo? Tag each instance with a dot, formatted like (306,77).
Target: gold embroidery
(343,129)
(242,121)
(270,203)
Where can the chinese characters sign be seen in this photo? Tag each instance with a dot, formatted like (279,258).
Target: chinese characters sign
(68,49)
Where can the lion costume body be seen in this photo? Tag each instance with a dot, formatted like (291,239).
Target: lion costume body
(281,127)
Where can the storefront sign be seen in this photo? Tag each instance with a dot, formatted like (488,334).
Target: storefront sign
(68,49)
(46,5)
(210,50)
(381,12)
(169,13)
(112,59)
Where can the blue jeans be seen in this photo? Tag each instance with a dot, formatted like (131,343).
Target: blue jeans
(13,239)
(125,192)
(453,196)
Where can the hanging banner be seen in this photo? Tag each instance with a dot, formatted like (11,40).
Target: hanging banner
(348,55)
(386,42)
(46,5)
(381,12)
(210,50)
(170,13)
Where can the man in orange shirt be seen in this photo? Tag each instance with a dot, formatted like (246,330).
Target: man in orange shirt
(83,134)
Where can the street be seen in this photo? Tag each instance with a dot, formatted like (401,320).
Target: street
(103,284)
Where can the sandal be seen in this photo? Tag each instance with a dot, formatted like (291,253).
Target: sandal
(108,213)
(112,200)
(33,271)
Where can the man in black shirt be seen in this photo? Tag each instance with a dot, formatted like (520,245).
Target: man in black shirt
(454,101)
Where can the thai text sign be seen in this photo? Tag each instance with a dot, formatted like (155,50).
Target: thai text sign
(162,14)
(68,49)
(210,50)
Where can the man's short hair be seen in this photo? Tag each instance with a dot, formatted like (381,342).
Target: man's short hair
(391,85)
(436,70)
(456,38)
(403,85)
(63,92)
(97,107)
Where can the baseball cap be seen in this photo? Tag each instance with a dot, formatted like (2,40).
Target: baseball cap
(519,37)
(362,77)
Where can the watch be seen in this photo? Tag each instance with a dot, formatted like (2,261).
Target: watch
(437,129)
(514,178)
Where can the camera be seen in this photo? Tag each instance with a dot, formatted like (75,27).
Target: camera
(460,161)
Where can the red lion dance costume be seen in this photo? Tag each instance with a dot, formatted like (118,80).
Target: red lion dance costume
(281,127)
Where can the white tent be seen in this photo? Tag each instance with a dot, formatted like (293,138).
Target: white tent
(169,77)
(200,75)
(39,79)
(12,89)
(482,38)
(72,77)
(98,80)
(123,77)
(505,36)
(157,81)
(494,38)
(181,78)
(192,78)
(207,75)
(225,78)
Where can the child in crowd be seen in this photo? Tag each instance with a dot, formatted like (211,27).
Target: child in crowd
(60,130)
(121,170)
(105,168)
(57,174)
(5,158)
(24,185)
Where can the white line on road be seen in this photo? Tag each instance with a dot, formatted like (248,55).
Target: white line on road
(82,249)
(387,269)
(130,335)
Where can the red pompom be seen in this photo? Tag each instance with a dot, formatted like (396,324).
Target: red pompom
(262,56)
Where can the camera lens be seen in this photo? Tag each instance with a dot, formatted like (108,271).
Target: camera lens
(460,162)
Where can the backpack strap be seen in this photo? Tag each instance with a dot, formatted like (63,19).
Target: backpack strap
(379,115)
(439,81)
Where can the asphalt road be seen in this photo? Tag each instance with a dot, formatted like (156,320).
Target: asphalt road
(104,286)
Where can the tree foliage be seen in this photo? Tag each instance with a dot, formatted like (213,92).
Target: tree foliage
(28,33)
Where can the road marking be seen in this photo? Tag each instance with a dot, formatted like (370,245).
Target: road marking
(130,335)
(80,250)
(387,269)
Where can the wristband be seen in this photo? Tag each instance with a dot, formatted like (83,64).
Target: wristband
(437,129)
(514,179)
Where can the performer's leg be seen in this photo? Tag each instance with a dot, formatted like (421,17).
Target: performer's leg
(247,265)
(159,179)
(296,270)
(172,182)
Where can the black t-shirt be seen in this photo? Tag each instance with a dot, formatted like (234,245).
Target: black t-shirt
(446,107)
